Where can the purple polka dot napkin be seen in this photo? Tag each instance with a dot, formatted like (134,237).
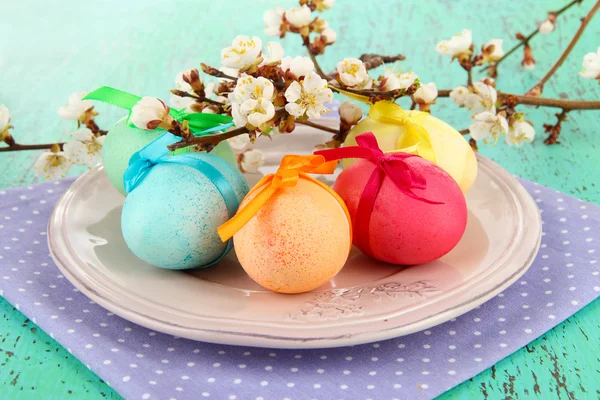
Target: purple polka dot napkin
(141,364)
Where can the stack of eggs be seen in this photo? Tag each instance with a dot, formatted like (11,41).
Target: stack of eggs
(400,200)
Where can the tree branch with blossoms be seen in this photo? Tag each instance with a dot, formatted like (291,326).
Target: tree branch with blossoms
(266,93)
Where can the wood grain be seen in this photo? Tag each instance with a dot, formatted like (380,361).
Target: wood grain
(50,49)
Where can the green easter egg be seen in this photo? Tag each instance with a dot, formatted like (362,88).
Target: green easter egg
(122,141)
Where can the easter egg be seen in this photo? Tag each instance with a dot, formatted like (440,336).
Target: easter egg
(170,218)
(298,240)
(402,229)
(122,141)
(452,152)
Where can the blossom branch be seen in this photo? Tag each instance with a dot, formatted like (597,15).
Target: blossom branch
(203,99)
(208,140)
(375,95)
(372,61)
(318,126)
(540,101)
(207,69)
(19,147)
(539,87)
(527,38)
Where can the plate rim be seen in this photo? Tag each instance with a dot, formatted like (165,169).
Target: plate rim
(62,260)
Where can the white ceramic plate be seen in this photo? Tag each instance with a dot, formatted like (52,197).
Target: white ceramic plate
(367,301)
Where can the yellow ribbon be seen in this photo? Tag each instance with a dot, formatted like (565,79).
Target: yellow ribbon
(416,140)
(291,169)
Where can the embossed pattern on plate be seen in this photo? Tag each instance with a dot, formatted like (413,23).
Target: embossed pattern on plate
(367,301)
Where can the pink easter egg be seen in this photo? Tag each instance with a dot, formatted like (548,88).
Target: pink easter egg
(404,230)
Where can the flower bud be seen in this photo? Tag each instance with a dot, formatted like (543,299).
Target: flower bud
(350,113)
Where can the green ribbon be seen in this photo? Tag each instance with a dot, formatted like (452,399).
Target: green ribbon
(198,122)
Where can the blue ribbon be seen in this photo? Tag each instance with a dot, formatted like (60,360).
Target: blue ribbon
(156,152)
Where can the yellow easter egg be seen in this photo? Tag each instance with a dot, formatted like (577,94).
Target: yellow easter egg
(297,241)
(452,152)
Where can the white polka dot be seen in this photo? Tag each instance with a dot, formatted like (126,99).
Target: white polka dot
(343,386)
(89,346)
(452,347)
(370,386)
(317,385)
(264,383)
(146,396)
(451,372)
(106,362)
(551,316)
(503,344)
(346,372)
(399,372)
(424,386)
(126,378)
(527,330)
(320,371)
(237,381)
(426,360)
(426,346)
(290,384)
(209,380)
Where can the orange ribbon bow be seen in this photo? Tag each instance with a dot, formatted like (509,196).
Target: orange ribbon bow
(291,169)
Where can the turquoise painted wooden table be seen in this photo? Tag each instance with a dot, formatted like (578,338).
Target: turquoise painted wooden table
(49,50)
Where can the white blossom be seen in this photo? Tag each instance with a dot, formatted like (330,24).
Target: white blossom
(519,133)
(547,27)
(426,93)
(52,165)
(86,149)
(242,54)
(591,65)
(352,72)
(482,98)
(273,54)
(4,117)
(329,35)
(497,53)
(76,107)
(239,142)
(459,95)
(299,66)
(308,97)
(488,125)
(251,101)
(459,44)
(252,160)
(273,18)
(148,113)
(298,17)
(395,80)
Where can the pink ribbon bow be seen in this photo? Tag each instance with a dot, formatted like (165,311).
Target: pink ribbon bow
(392,165)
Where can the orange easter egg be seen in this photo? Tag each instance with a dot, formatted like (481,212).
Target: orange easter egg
(298,239)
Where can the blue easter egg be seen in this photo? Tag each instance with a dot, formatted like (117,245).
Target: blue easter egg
(170,219)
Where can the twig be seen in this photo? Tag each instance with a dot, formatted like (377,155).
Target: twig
(528,37)
(207,69)
(372,60)
(540,101)
(584,22)
(546,102)
(20,147)
(318,126)
(464,131)
(204,99)
(208,139)
(553,131)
